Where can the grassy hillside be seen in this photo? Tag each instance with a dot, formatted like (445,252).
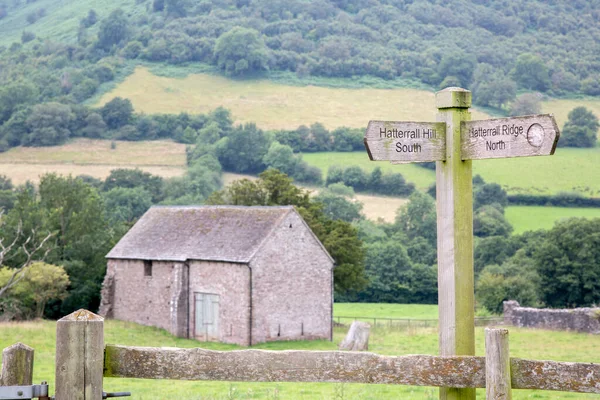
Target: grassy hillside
(273,105)
(61,19)
(524,343)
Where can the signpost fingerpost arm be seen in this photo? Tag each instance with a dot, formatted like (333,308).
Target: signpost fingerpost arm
(455,237)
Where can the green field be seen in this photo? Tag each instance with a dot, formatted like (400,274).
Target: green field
(528,218)
(383,310)
(524,343)
(567,170)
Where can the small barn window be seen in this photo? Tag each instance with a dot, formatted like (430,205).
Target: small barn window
(147,268)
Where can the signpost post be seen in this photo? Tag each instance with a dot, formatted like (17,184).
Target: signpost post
(453,142)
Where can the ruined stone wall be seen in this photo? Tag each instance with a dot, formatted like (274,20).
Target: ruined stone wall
(575,319)
(292,286)
(158,300)
(231,282)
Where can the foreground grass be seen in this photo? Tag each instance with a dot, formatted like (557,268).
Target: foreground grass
(524,343)
(273,105)
(525,218)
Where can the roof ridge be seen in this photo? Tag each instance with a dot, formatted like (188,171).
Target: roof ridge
(221,206)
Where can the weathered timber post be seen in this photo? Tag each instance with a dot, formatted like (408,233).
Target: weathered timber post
(17,365)
(497,365)
(453,142)
(79,356)
(455,237)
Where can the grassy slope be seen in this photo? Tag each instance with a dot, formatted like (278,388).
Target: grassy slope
(524,218)
(61,21)
(534,344)
(273,105)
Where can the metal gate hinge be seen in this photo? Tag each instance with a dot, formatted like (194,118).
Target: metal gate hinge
(24,392)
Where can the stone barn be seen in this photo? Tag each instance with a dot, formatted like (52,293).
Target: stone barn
(232,274)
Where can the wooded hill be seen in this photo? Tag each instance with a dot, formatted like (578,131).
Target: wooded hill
(492,47)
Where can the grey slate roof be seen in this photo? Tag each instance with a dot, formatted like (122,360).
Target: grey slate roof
(217,233)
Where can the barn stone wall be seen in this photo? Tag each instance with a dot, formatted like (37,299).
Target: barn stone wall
(157,300)
(232,283)
(292,285)
(575,319)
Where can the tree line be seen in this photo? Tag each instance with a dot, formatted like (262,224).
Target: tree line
(74,221)
(320,38)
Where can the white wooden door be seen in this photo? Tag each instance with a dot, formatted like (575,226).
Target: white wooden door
(207,316)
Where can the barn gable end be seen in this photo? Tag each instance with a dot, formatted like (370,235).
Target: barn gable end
(292,285)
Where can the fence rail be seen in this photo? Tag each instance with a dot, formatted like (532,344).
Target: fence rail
(83,360)
(403,323)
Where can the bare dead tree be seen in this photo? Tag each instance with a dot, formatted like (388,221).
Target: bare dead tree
(29,248)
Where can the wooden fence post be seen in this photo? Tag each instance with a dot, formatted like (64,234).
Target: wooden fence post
(17,365)
(497,365)
(79,356)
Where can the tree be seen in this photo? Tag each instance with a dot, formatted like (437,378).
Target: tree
(75,211)
(281,157)
(48,124)
(114,30)
(387,266)
(14,95)
(244,149)
(418,217)
(339,207)
(240,51)
(568,263)
(488,220)
(489,193)
(126,204)
(176,8)
(90,19)
(135,178)
(28,245)
(531,73)
(41,283)
(493,288)
(117,113)
(494,250)
(95,127)
(580,130)
(460,65)
(526,104)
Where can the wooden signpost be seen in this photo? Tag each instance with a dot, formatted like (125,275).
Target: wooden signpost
(404,142)
(457,141)
(532,135)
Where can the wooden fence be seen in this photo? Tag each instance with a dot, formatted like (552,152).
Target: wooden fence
(82,360)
